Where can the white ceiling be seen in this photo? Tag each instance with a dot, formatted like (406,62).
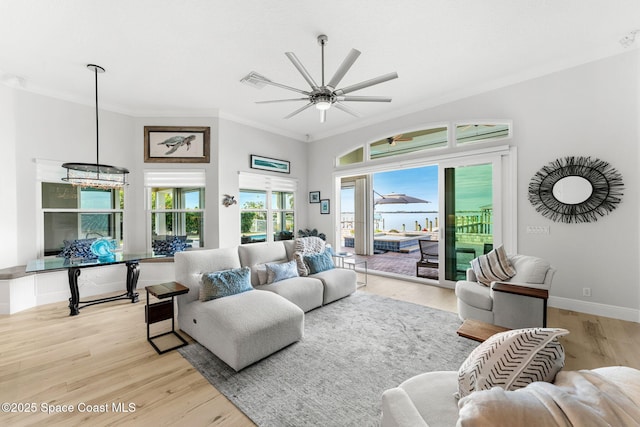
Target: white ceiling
(186,57)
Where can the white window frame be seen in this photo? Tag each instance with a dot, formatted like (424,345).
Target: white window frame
(52,172)
(183,179)
(270,184)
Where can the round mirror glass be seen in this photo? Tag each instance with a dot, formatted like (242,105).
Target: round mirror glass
(572,190)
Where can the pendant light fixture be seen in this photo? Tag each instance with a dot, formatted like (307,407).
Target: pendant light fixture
(94,174)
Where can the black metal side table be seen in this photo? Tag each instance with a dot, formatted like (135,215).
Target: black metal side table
(163,310)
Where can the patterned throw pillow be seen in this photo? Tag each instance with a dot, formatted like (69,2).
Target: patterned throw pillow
(170,245)
(80,248)
(512,359)
(225,283)
(261,271)
(306,246)
(494,266)
(281,271)
(319,262)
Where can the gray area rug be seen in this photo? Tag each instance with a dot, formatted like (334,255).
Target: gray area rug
(353,350)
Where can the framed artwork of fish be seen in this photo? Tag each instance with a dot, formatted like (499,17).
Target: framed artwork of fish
(176,144)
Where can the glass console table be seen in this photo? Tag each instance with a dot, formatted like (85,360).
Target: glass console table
(74,265)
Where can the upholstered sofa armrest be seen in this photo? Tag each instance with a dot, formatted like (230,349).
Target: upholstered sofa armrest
(471,275)
(519,306)
(398,410)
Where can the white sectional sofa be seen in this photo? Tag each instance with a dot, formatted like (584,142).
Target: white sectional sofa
(592,397)
(244,328)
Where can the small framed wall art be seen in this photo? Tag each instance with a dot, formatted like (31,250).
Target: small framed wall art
(176,144)
(268,164)
(324,206)
(314,197)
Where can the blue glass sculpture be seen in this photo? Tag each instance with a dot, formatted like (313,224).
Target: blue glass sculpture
(103,249)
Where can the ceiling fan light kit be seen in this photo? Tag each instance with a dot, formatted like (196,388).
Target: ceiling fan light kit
(323,96)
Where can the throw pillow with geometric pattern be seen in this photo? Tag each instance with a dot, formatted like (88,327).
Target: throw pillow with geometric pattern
(512,360)
(493,267)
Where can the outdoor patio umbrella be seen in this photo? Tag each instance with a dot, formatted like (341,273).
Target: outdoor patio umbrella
(398,198)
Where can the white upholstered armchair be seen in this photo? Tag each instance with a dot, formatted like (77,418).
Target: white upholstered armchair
(520,302)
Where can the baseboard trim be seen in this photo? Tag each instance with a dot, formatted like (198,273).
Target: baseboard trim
(604,310)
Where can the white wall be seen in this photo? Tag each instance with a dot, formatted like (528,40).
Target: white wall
(8,191)
(52,129)
(136,221)
(237,143)
(590,110)
(39,127)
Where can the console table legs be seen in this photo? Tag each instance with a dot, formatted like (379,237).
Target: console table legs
(133,272)
(74,301)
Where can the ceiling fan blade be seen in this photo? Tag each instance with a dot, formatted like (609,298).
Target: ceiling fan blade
(323,116)
(344,67)
(364,99)
(269,82)
(346,109)
(282,100)
(296,63)
(299,110)
(367,83)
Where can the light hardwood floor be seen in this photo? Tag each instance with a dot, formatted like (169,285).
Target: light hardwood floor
(101,357)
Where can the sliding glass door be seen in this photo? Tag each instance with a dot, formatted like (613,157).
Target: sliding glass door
(470,197)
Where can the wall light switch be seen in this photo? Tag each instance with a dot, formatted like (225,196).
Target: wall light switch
(537,229)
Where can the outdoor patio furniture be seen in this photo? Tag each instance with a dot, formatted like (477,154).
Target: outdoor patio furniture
(428,256)
(461,267)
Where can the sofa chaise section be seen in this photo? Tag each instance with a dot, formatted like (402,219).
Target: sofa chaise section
(239,329)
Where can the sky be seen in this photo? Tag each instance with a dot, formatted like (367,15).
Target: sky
(473,188)
(417,182)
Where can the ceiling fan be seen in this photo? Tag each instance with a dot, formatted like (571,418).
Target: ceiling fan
(325,95)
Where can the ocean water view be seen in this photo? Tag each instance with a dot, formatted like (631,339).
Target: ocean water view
(400,221)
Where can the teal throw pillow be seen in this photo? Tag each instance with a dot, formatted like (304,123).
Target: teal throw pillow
(225,283)
(319,262)
(280,271)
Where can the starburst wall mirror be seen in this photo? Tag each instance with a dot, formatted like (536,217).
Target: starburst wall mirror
(576,189)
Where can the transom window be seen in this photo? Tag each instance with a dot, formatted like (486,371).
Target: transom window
(476,132)
(435,137)
(409,142)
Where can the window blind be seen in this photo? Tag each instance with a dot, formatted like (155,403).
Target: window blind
(254,181)
(175,178)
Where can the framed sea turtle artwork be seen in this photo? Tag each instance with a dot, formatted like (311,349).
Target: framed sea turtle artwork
(176,144)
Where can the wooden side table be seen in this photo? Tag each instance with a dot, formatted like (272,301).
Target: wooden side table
(163,310)
(478,331)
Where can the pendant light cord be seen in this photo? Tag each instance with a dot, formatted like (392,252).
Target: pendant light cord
(95,70)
